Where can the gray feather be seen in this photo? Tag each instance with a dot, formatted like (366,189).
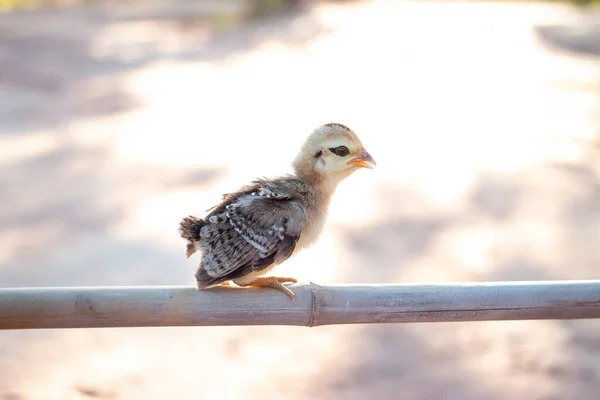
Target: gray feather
(249,231)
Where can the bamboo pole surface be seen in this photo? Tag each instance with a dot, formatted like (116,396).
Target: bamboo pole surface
(93,307)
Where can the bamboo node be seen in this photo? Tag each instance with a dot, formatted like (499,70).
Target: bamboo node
(313,307)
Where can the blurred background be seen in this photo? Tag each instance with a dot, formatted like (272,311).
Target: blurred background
(119,118)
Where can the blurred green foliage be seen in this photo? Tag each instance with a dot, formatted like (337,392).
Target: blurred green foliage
(11,4)
(262,7)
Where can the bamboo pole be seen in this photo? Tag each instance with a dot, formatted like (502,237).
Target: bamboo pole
(93,307)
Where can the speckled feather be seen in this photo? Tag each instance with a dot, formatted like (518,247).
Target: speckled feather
(250,230)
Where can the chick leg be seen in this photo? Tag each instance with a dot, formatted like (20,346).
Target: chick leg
(274,282)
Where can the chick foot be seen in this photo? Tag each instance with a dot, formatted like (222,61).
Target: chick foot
(275,282)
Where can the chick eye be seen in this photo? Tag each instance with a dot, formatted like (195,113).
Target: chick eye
(340,151)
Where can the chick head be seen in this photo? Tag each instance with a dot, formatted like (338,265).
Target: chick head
(331,153)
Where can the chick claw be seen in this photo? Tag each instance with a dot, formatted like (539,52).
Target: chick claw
(275,282)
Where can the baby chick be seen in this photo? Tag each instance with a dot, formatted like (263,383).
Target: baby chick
(264,223)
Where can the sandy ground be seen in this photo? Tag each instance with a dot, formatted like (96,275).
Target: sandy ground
(483,117)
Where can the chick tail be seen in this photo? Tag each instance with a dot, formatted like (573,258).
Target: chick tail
(189,229)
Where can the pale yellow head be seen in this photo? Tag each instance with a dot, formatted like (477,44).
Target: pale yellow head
(331,153)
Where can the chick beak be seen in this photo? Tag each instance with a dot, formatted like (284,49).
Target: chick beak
(364,160)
